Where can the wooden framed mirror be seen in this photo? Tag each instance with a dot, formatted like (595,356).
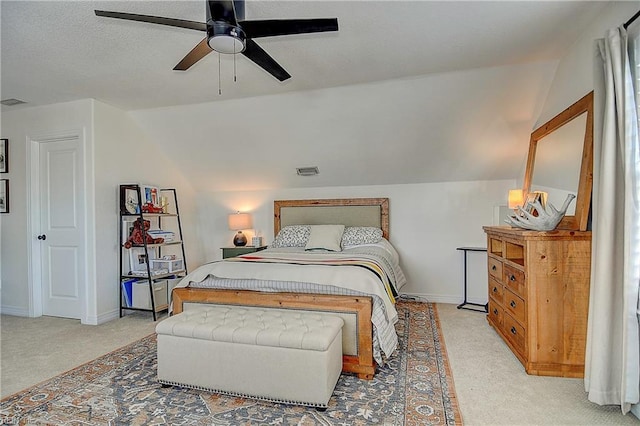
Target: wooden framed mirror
(560,161)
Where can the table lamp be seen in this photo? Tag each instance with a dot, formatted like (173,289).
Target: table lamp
(516,198)
(237,222)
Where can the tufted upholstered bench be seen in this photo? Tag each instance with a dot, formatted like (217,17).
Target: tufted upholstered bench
(276,355)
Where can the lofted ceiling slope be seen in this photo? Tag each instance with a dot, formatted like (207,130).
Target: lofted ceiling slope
(405,92)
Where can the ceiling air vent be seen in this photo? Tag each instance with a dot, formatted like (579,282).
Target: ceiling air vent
(12,102)
(307,171)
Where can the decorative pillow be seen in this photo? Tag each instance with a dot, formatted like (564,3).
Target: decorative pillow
(356,235)
(325,237)
(292,236)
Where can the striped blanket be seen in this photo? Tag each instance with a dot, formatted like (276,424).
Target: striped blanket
(360,261)
(352,272)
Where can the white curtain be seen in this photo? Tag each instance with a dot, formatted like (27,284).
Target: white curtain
(612,370)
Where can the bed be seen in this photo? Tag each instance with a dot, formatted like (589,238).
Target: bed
(360,282)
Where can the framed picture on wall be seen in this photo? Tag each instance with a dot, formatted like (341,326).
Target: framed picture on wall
(4,195)
(4,156)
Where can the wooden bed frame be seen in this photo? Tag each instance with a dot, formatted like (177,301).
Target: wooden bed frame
(312,213)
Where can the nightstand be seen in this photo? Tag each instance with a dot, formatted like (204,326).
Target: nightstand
(237,251)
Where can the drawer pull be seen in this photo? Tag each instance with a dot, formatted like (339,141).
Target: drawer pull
(495,289)
(495,311)
(512,278)
(513,303)
(493,268)
(514,331)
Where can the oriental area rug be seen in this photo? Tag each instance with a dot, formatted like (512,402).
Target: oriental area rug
(120,388)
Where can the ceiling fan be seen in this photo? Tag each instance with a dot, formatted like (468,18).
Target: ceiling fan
(228,32)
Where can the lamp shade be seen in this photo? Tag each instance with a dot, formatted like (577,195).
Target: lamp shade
(238,221)
(516,198)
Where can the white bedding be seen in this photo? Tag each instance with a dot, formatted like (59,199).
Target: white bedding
(296,270)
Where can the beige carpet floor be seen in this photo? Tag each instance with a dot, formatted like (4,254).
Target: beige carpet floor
(491,384)
(493,388)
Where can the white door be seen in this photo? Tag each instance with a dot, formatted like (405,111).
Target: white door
(61,237)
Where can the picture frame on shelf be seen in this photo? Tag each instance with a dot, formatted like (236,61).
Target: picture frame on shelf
(150,194)
(138,258)
(4,155)
(127,227)
(129,201)
(4,195)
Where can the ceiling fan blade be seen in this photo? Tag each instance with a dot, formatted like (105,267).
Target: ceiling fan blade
(222,10)
(278,27)
(181,23)
(262,59)
(201,50)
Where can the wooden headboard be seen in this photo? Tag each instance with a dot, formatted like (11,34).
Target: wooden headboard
(343,211)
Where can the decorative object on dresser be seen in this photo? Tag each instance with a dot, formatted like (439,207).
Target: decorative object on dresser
(228,252)
(237,222)
(538,218)
(539,296)
(147,280)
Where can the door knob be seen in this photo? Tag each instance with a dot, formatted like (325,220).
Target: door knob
(42,237)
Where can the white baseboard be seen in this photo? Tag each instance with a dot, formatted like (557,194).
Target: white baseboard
(14,310)
(102,318)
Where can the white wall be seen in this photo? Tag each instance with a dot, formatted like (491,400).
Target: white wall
(427,222)
(574,76)
(125,154)
(116,152)
(17,126)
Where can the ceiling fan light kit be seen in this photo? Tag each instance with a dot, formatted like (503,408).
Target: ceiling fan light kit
(228,32)
(226,39)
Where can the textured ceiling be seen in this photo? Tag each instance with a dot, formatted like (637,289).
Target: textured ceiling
(405,92)
(59,51)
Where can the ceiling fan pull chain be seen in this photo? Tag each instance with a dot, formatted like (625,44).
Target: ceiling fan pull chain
(234,63)
(219,88)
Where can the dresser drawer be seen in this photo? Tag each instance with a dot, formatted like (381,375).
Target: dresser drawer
(515,332)
(514,280)
(515,305)
(495,289)
(495,313)
(495,268)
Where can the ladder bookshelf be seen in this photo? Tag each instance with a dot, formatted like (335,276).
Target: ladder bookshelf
(149,268)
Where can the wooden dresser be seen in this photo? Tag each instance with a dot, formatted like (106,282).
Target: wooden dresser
(539,296)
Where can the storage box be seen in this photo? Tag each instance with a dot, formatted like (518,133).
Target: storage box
(168,236)
(171,266)
(142,297)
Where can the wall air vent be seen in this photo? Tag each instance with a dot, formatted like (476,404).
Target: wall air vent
(307,171)
(12,102)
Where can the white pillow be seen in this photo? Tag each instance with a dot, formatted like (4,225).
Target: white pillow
(325,237)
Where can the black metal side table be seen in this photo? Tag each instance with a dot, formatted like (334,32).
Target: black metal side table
(485,307)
